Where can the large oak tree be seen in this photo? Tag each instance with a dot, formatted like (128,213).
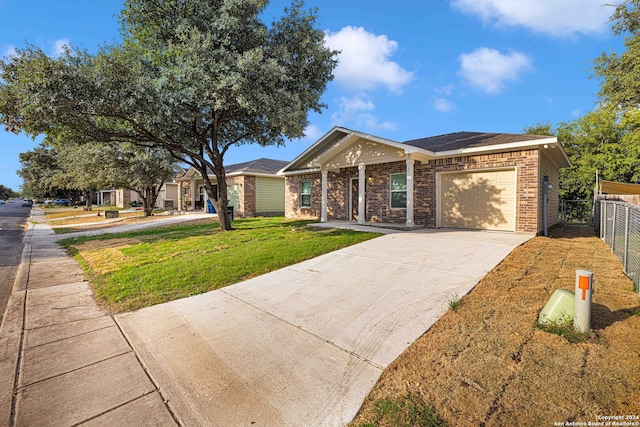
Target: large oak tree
(194,77)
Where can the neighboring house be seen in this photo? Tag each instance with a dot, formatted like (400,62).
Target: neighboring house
(253,188)
(471,180)
(123,198)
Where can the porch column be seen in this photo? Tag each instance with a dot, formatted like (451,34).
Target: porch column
(193,194)
(180,196)
(361,195)
(409,223)
(323,211)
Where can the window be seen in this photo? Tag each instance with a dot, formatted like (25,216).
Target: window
(305,194)
(399,190)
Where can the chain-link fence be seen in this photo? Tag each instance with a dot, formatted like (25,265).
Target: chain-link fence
(619,226)
(576,211)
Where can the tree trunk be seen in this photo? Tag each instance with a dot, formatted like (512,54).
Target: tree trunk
(88,195)
(219,199)
(148,201)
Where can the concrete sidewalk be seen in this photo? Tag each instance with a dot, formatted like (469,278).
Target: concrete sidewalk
(64,361)
(299,346)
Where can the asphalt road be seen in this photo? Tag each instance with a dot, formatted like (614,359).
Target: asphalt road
(13,221)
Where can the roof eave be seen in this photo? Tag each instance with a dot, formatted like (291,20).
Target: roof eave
(545,143)
(314,146)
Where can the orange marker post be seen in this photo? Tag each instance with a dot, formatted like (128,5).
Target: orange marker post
(582,309)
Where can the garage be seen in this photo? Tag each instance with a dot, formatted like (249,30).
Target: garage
(479,200)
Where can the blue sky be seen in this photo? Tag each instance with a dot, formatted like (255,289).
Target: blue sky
(407,69)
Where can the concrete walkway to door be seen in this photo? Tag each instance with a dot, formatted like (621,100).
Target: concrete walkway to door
(304,345)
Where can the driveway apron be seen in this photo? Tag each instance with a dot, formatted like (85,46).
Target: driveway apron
(305,344)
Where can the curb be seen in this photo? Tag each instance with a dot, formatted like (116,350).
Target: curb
(11,331)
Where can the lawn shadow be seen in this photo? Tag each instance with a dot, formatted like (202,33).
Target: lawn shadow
(572,231)
(602,317)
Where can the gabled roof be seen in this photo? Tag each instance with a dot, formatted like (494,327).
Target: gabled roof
(258,167)
(423,149)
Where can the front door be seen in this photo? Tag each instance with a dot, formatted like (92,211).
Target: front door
(354,194)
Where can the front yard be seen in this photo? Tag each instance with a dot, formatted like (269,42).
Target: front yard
(70,220)
(137,269)
(486,363)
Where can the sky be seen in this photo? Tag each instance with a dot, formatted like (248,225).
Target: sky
(407,69)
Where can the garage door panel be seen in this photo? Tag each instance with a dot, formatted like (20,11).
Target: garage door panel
(481,200)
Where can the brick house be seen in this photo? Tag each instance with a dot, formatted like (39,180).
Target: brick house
(471,180)
(253,188)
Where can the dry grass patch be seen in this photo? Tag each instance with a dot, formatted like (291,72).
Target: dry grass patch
(486,363)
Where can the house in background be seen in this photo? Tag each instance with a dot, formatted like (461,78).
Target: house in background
(488,181)
(123,198)
(253,188)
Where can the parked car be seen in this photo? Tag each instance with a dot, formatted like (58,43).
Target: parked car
(27,202)
(61,202)
(48,202)
(1,202)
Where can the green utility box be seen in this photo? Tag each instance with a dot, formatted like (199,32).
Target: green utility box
(559,309)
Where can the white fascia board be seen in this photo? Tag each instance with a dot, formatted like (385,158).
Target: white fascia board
(262,175)
(406,149)
(299,172)
(316,144)
(498,147)
(188,174)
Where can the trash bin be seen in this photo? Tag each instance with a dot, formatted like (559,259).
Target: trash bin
(210,208)
(230,212)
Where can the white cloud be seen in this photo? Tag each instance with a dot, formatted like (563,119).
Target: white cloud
(443,105)
(488,69)
(577,112)
(59,46)
(445,90)
(8,51)
(356,111)
(555,17)
(364,60)
(312,132)
(371,122)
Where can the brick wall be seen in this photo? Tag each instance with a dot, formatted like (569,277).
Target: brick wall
(526,162)
(248,195)
(292,206)
(378,206)
(338,193)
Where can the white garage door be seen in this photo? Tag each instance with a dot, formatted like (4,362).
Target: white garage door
(482,200)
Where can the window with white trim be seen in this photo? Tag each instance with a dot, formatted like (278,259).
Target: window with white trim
(305,194)
(398,190)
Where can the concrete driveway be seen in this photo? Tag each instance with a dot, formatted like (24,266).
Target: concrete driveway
(304,345)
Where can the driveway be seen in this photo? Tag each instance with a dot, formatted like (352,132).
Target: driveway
(304,345)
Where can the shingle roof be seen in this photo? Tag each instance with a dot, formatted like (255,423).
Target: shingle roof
(260,166)
(460,140)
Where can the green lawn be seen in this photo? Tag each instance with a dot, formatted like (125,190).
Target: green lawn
(138,269)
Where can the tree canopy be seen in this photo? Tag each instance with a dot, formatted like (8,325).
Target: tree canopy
(607,139)
(620,72)
(604,140)
(193,77)
(53,167)
(7,193)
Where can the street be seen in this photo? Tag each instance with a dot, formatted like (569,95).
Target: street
(13,221)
